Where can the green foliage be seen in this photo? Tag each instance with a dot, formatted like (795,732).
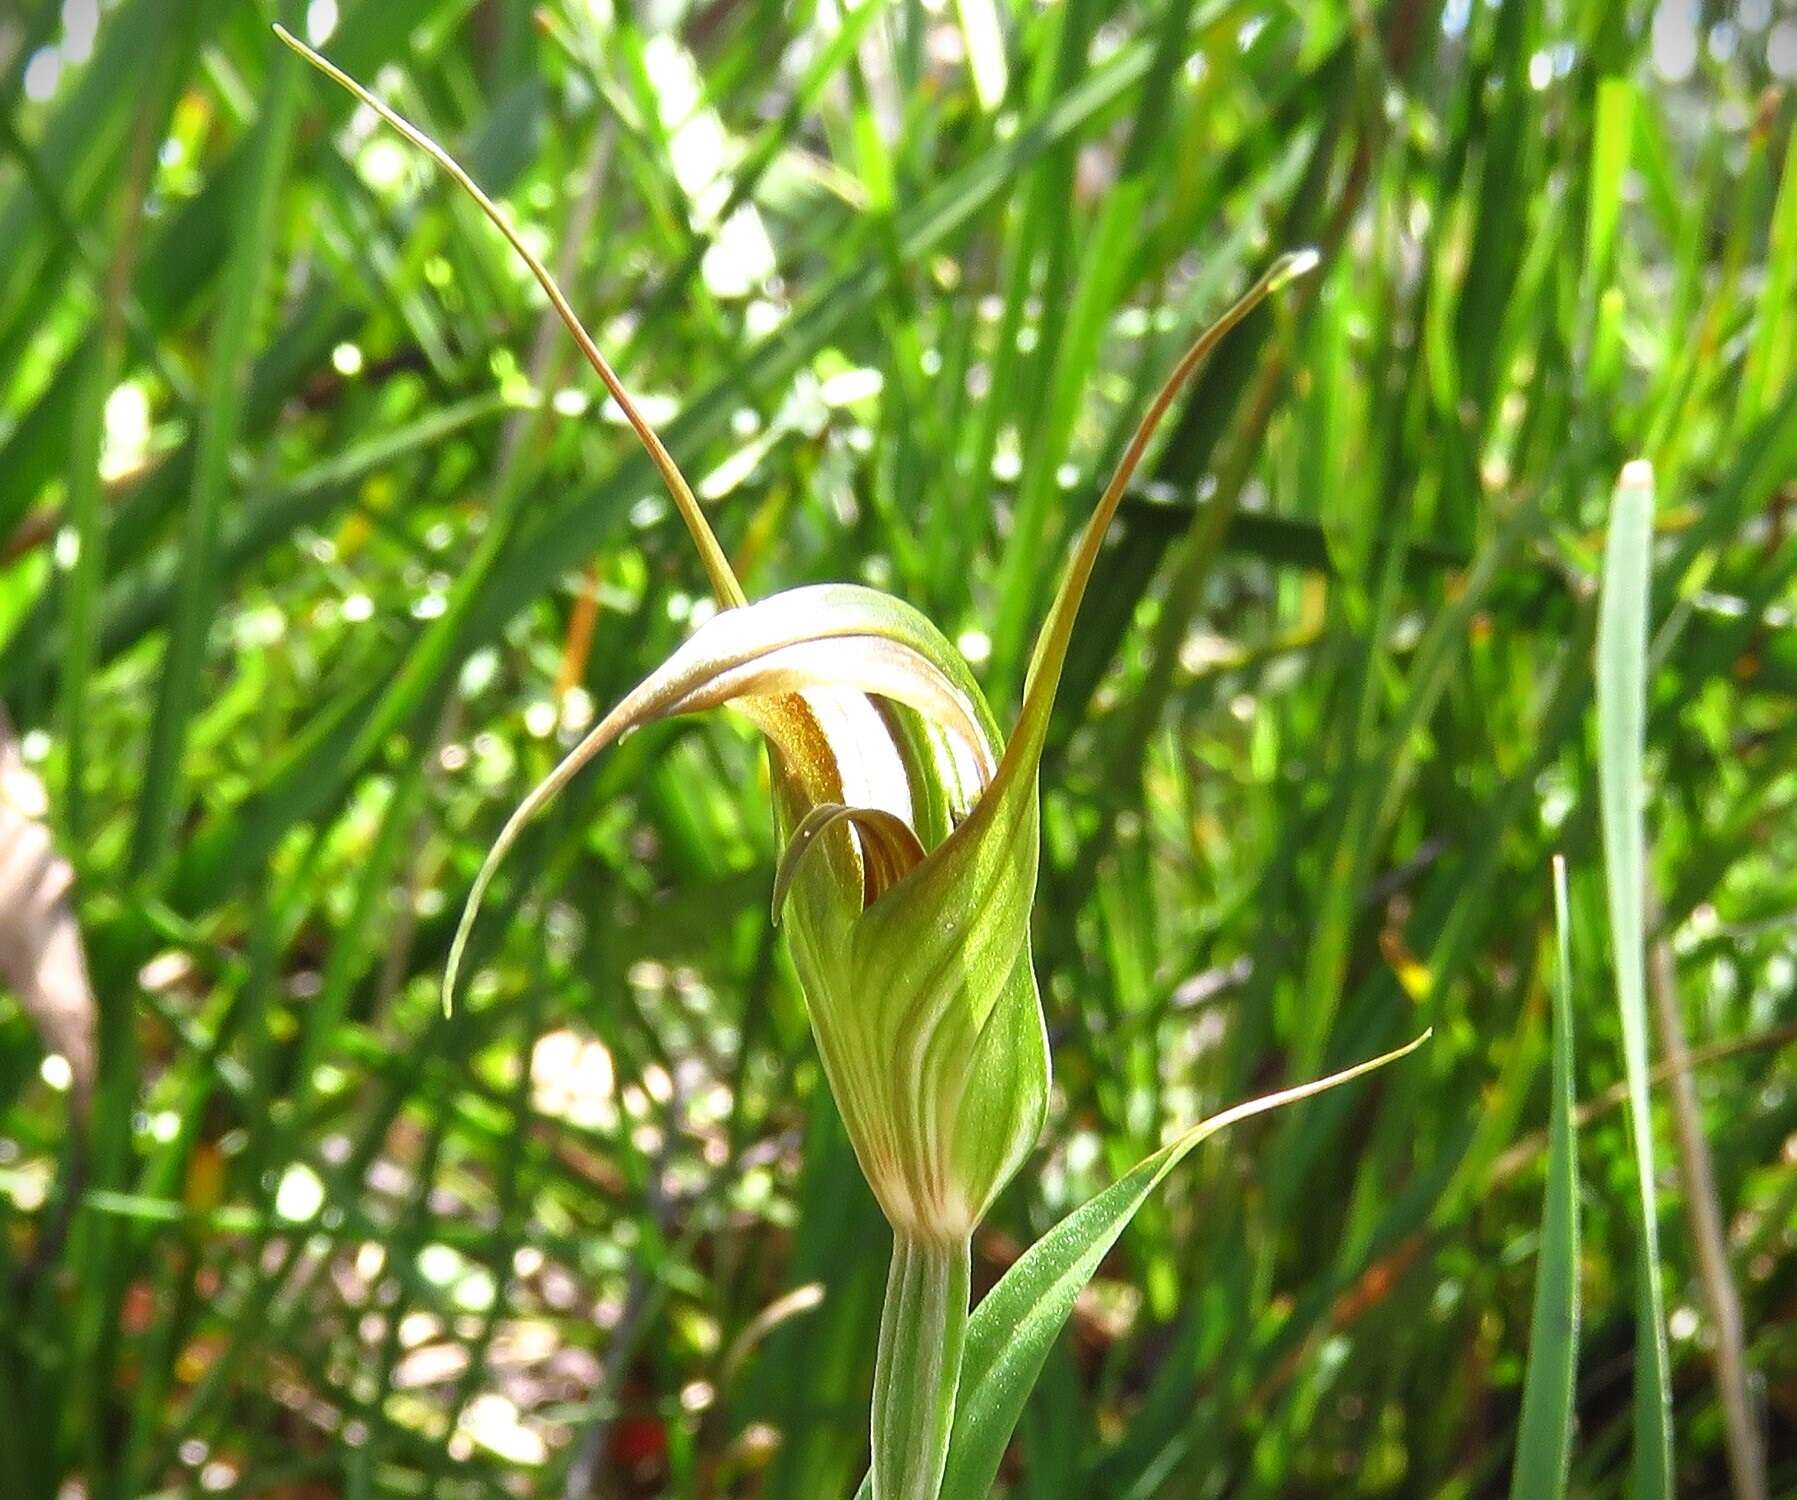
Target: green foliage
(1544,1430)
(1621,719)
(1016,1324)
(369,549)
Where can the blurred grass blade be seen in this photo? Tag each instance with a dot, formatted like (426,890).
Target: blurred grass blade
(1014,1327)
(234,327)
(1544,1436)
(985,44)
(1613,131)
(1769,357)
(1621,727)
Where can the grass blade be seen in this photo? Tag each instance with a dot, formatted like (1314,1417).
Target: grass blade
(1621,725)
(219,422)
(1544,1438)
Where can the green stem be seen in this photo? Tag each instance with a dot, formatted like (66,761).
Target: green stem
(922,1329)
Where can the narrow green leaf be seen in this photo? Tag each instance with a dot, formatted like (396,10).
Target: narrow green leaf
(1012,1330)
(1544,1437)
(1769,356)
(1611,139)
(985,44)
(220,419)
(1621,725)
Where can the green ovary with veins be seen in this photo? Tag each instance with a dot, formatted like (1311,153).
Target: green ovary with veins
(905,883)
(923,1000)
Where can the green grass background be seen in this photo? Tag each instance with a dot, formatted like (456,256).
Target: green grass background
(316,545)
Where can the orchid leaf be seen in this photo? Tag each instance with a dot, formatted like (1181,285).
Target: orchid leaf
(1013,1328)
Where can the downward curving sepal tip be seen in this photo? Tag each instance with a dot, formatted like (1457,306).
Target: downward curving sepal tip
(890,849)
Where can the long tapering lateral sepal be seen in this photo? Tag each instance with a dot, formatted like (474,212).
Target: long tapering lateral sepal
(1050,655)
(711,554)
(923,1329)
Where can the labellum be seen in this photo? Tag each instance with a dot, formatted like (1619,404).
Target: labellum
(908,829)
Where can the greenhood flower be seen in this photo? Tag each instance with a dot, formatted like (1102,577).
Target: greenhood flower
(908,828)
(909,831)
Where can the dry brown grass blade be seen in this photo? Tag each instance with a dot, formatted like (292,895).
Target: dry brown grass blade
(41,956)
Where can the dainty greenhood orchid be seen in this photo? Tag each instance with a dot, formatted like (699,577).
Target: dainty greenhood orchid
(909,829)
(909,825)
(909,834)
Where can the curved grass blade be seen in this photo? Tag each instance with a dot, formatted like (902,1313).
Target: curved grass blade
(1544,1436)
(1013,1328)
(1621,733)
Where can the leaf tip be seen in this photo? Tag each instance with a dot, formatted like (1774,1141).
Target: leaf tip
(1292,265)
(464,929)
(452,969)
(1637,474)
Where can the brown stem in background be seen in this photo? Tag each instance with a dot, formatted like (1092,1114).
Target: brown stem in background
(1530,1147)
(1703,1211)
(577,647)
(1376,1284)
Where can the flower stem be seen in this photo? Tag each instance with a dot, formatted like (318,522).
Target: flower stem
(922,1329)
